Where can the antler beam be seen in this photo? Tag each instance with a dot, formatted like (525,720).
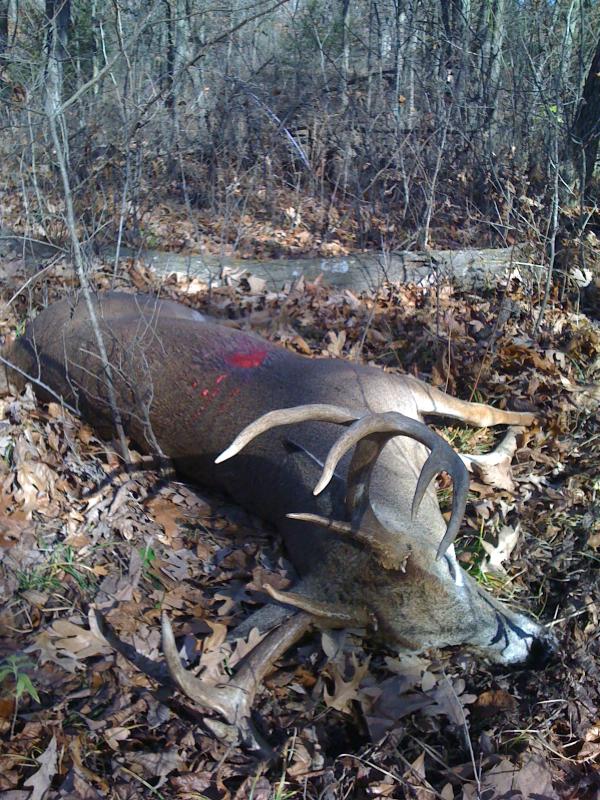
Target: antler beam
(369,434)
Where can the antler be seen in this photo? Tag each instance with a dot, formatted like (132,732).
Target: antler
(232,700)
(370,434)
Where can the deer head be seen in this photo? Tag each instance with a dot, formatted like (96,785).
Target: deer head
(409,594)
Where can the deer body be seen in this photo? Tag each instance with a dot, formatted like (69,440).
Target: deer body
(188,387)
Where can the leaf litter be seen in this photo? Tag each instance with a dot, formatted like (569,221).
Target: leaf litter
(347,720)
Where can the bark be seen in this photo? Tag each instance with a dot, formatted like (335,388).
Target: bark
(492,59)
(3,33)
(586,128)
(455,19)
(345,52)
(58,13)
(169,74)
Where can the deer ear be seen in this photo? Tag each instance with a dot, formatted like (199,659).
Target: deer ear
(391,551)
(360,470)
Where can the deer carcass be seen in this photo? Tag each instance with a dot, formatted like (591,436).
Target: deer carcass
(333,452)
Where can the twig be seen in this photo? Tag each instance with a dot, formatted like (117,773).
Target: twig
(574,614)
(39,383)
(476,771)
(396,778)
(29,281)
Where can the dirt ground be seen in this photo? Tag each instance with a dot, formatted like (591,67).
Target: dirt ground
(346,720)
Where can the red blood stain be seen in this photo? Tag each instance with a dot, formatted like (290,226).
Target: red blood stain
(247,360)
(209,395)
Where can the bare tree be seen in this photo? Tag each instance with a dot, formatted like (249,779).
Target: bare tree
(58,15)
(586,128)
(398,117)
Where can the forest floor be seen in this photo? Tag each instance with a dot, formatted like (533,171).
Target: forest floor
(346,720)
(258,224)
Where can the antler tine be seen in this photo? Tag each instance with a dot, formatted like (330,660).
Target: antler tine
(191,686)
(443,457)
(370,434)
(321,412)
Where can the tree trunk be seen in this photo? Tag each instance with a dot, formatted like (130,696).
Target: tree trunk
(3,33)
(58,14)
(586,128)
(491,56)
(168,75)
(345,52)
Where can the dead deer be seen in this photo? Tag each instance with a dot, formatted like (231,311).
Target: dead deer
(333,452)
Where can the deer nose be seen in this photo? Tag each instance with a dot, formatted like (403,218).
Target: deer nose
(542,652)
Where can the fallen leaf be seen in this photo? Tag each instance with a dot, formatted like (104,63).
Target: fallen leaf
(245,646)
(256,285)
(415,778)
(115,735)
(36,481)
(166,514)
(505,779)
(493,701)
(157,764)
(501,552)
(40,781)
(345,691)
(450,700)
(76,641)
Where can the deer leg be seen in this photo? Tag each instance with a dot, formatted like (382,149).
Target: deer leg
(432,401)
